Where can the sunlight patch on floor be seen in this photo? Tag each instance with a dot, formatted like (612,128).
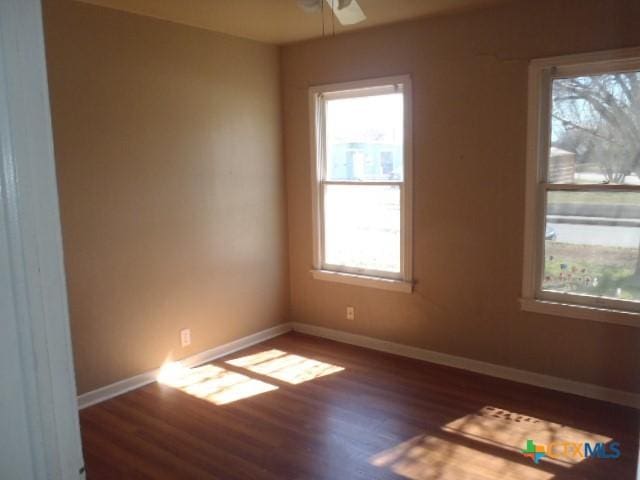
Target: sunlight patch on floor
(284,366)
(511,430)
(485,444)
(214,384)
(427,457)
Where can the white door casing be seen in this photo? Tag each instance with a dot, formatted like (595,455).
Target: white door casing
(38,407)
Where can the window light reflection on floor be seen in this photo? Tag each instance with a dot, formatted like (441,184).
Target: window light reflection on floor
(487,442)
(214,384)
(287,367)
(426,457)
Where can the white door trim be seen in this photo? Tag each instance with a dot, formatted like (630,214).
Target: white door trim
(33,309)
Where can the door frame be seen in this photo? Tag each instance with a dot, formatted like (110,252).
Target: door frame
(38,395)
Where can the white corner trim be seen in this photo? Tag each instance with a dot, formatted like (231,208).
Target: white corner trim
(363,280)
(118,388)
(507,373)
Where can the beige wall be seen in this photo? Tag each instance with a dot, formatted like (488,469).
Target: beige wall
(168,146)
(470,87)
(172,187)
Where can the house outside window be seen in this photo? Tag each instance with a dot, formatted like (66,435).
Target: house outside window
(582,235)
(361,168)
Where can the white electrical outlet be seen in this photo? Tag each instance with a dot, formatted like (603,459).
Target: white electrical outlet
(185,337)
(351,313)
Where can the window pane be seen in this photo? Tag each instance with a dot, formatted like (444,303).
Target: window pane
(365,138)
(362,226)
(595,129)
(591,244)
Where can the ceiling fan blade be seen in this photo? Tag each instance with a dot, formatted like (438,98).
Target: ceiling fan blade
(348,12)
(310,6)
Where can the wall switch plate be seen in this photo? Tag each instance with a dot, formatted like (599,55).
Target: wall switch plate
(351,313)
(185,337)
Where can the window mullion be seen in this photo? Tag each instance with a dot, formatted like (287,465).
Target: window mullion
(322,141)
(373,183)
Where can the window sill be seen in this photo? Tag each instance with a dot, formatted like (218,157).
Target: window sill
(583,312)
(363,281)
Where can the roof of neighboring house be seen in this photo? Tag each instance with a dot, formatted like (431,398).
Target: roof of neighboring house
(556,152)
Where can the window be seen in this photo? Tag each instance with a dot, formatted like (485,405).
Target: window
(583,193)
(362,183)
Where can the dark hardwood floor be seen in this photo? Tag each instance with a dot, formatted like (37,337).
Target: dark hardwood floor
(298,407)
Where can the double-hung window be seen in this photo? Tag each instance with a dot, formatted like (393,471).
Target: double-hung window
(582,235)
(361,173)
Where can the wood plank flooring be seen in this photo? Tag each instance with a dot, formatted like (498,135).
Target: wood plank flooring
(299,407)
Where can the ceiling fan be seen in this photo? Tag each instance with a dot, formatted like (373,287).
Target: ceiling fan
(348,12)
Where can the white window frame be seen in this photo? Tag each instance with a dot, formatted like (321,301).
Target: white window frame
(542,72)
(403,281)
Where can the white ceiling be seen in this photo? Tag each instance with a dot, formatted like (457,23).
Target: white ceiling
(281,21)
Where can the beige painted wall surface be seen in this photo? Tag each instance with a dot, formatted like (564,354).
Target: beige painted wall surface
(470,91)
(168,147)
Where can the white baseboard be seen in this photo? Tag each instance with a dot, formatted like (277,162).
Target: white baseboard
(521,376)
(104,393)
